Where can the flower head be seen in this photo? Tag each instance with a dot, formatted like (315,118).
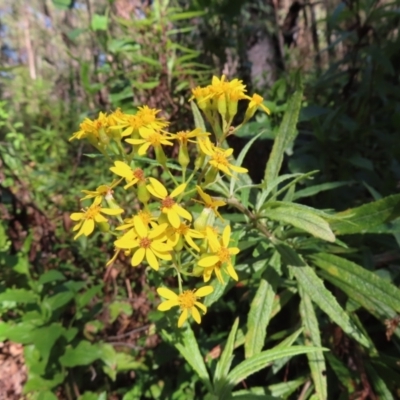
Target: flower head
(187,302)
(176,235)
(150,137)
(209,202)
(219,158)
(102,191)
(146,243)
(90,215)
(132,176)
(168,205)
(220,257)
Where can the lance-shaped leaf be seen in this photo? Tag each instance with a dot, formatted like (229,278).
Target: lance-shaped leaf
(365,218)
(316,360)
(286,134)
(303,219)
(257,363)
(224,363)
(187,345)
(314,287)
(360,279)
(198,119)
(260,313)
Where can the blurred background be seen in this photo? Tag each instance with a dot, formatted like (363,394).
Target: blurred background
(64,60)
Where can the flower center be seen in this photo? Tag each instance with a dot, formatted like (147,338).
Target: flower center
(138,174)
(145,243)
(183,229)
(187,299)
(145,217)
(92,211)
(167,202)
(223,254)
(155,139)
(220,159)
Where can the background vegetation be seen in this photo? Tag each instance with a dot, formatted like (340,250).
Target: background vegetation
(87,332)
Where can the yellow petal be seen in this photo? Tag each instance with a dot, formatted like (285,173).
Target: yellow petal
(173,218)
(122,169)
(100,218)
(112,211)
(208,261)
(201,306)
(178,190)
(166,305)
(140,227)
(183,317)
(167,294)
(138,256)
(77,216)
(152,259)
(88,227)
(233,250)
(158,231)
(196,315)
(182,212)
(232,273)
(226,236)
(238,169)
(204,291)
(159,188)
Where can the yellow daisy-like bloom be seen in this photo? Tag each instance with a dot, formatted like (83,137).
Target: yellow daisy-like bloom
(255,102)
(148,244)
(186,301)
(220,257)
(219,158)
(209,202)
(144,215)
(132,176)
(92,129)
(89,216)
(176,235)
(150,137)
(168,205)
(187,136)
(102,191)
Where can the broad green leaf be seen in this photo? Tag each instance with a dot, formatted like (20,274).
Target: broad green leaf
(58,300)
(198,118)
(302,219)
(19,296)
(46,395)
(260,312)
(257,363)
(62,4)
(366,217)
(286,134)
(99,22)
(83,354)
(321,296)
(189,349)
(313,190)
(225,361)
(93,396)
(312,336)
(45,337)
(360,279)
(82,299)
(51,276)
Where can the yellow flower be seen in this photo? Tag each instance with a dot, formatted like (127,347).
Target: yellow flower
(220,257)
(219,158)
(148,244)
(175,235)
(144,215)
(102,191)
(186,301)
(89,216)
(255,102)
(92,129)
(168,204)
(209,202)
(185,136)
(150,137)
(132,176)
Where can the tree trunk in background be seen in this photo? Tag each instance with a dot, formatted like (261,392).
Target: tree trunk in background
(28,45)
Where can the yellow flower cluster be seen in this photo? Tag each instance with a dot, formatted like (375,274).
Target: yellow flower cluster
(166,233)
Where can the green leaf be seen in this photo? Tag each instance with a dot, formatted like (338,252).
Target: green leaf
(224,363)
(189,349)
(313,190)
(47,395)
(58,300)
(316,360)
(360,279)
(364,218)
(84,298)
(99,22)
(378,383)
(302,219)
(186,15)
(257,363)
(93,396)
(19,296)
(286,134)
(314,287)
(62,4)
(260,313)
(198,118)
(83,354)
(51,276)
(342,372)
